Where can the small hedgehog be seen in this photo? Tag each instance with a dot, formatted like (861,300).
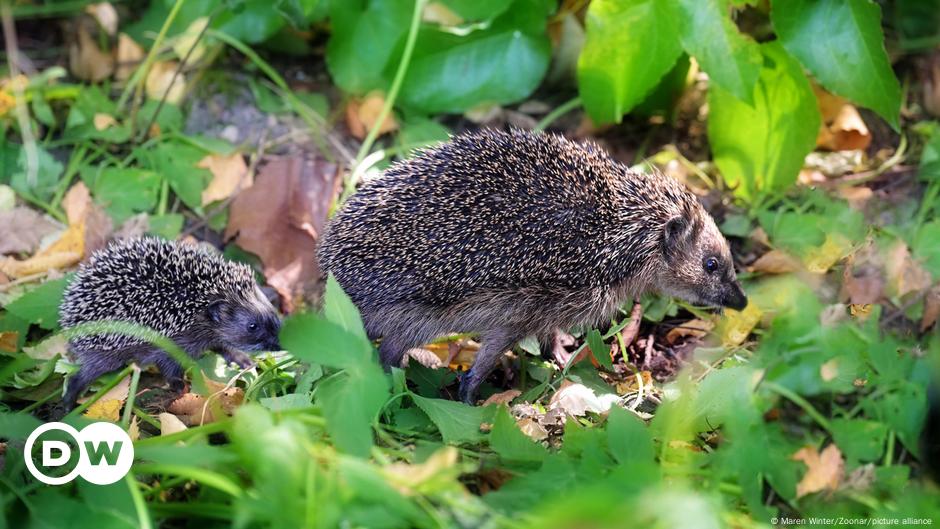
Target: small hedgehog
(185,292)
(510,234)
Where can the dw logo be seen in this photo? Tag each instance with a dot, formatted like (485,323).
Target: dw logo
(105,453)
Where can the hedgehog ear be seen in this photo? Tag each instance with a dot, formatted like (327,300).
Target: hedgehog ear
(675,234)
(215,310)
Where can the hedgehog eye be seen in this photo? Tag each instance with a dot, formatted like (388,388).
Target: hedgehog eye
(252,327)
(711,265)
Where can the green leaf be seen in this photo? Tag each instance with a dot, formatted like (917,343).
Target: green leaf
(500,64)
(41,304)
(600,349)
(45,177)
(841,43)
(350,402)
(419,132)
(477,9)
(510,443)
(169,118)
(732,60)
(17,425)
(766,154)
(177,161)
(456,421)
(339,309)
(628,438)
(903,411)
(124,192)
(859,440)
(629,46)
(926,246)
(364,40)
(319,341)
(167,226)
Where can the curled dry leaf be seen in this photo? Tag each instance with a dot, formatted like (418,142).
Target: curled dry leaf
(103,121)
(456,354)
(194,409)
(189,38)
(129,56)
(229,176)
(578,399)
(106,16)
(440,14)
(47,349)
(820,259)
(862,280)
(842,127)
(904,274)
(824,470)
(696,328)
(362,114)
(164,82)
(775,262)
(931,308)
(737,325)
(427,358)
(411,479)
(504,397)
(170,424)
(8,341)
(532,429)
(86,60)
(23,229)
(279,218)
(108,407)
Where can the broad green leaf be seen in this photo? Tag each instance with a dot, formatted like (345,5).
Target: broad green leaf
(17,425)
(416,133)
(41,304)
(628,439)
(903,410)
(760,148)
(177,162)
(926,246)
(500,64)
(124,192)
(37,177)
(319,341)
(167,226)
(471,10)
(340,310)
(170,117)
(841,43)
(364,40)
(600,349)
(350,402)
(456,421)
(510,443)
(731,60)
(859,440)
(629,46)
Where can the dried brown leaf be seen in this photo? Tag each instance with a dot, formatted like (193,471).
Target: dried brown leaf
(129,56)
(164,82)
(775,262)
(23,229)
(824,470)
(86,60)
(504,397)
(229,176)
(279,218)
(362,114)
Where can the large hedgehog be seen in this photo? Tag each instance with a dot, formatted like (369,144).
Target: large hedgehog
(510,234)
(185,292)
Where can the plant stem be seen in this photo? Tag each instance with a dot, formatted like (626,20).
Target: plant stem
(143,515)
(801,402)
(107,387)
(131,396)
(135,83)
(396,82)
(550,118)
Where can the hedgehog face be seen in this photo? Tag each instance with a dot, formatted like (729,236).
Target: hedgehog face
(698,265)
(246,325)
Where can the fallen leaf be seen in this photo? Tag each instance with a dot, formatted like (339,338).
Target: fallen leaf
(362,114)
(423,356)
(7,198)
(65,252)
(417,478)
(842,127)
(108,407)
(164,83)
(103,121)
(279,219)
(23,229)
(931,308)
(86,60)
(440,14)
(183,45)
(820,259)
(170,424)
(195,409)
(578,399)
(739,324)
(129,55)
(824,470)
(775,262)
(455,354)
(229,176)
(133,429)
(532,429)
(81,209)
(904,274)
(8,341)
(47,349)
(106,16)
(504,397)
(696,328)
(829,370)
(861,478)
(862,279)
(856,196)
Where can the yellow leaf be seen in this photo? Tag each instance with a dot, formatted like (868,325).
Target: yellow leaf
(775,262)
(824,470)
(103,121)
(820,259)
(129,56)
(737,325)
(163,81)
(8,341)
(104,410)
(189,38)
(229,175)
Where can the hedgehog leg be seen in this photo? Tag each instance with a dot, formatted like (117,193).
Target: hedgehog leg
(172,371)
(92,366)
(495,343)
